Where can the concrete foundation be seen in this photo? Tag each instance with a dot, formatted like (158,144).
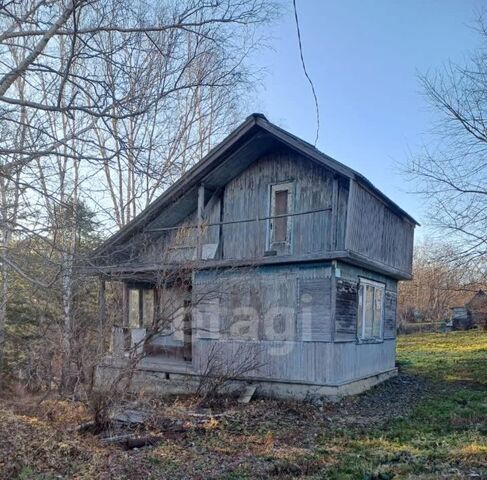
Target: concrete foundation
(180,379)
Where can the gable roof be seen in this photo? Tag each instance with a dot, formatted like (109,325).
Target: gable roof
(250,140)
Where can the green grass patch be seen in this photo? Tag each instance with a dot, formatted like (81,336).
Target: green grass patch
(450,357)
(446,431)
(429,424)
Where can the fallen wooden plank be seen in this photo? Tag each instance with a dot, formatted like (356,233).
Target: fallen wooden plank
(131,441)
(136,417)
(247,394)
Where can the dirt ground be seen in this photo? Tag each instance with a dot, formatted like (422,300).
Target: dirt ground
(413,426)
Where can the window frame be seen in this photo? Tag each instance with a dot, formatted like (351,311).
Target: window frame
(137,314)
(285,245)
(361,310)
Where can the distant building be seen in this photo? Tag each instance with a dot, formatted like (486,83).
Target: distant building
(461,319)
(478,309)
(473,314)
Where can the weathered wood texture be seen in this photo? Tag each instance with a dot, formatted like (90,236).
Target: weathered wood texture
(353,361)
(313,362)
(314,319)
(347,302)
(170,322)
(376,232)
(287,303)
(390,314)
(355,221)
(346,310)
(248,196)
(243,314)
(172,246)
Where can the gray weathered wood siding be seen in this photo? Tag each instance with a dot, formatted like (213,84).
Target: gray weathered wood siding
(248,197)
(352,361)
(172,308)
(390,314)
(171,246)
(279,303)
(376,232)
(316,349)
(275,315)
(314,320)
(355,220)
(179,244)
(347,302)
(346,309)
(341,212)
(307,362)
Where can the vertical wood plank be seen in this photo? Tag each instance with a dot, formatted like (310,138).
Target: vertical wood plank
(141,307)
(102,314)
(350,205)
(157,307)
(201,207)
(221,253)
(334,211)
(125,305)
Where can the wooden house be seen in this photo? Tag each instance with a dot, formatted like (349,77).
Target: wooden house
(266,249)
(477,306)
(472,315)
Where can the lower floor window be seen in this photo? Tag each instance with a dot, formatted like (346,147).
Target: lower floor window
(370,310)
(141,307)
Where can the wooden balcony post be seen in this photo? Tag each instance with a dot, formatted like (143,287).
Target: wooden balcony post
(201,207)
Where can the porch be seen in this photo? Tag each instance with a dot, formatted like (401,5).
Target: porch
(144,320)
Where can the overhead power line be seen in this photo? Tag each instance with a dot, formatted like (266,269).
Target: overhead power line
(306,73)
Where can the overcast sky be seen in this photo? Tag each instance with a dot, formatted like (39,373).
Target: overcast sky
(364,57)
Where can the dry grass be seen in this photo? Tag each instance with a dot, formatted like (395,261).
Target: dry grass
(429,423)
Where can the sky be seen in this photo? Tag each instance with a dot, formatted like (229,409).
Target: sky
(364,57)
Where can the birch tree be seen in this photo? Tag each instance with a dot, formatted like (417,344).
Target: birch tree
(118,98)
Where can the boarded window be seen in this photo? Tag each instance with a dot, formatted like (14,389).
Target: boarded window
(281,206)
(370,310)
(346,311)
(314,311)
(390,312)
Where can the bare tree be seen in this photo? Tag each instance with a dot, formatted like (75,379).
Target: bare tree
(451,172)
(439,283)
(102,96)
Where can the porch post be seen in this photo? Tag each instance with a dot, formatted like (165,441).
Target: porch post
(157,308)
(141,307)
(125,317)
(102,314)
(125,305)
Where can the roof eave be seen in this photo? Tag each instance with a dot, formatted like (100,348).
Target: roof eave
(191,175)
(199,170)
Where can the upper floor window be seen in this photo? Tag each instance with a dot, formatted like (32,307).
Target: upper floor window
(370,310)
(280,222)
